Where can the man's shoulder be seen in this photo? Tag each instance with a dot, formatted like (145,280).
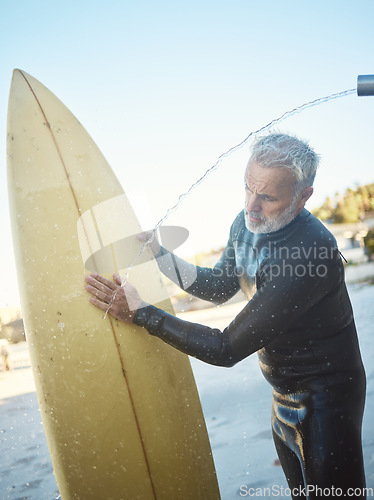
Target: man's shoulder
(310,241)
(238,226)
(317,232)
(305,239)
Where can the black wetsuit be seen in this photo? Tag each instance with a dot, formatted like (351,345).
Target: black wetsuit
(300,322)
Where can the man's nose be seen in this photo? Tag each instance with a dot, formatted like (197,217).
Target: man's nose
(253,203)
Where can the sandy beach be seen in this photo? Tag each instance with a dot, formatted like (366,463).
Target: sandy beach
(236,405)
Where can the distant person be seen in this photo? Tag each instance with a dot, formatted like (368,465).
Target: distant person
(298,319)
(369,244)
(4,355)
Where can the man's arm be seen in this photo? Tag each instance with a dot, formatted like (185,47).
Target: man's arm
(270,313)
(217,284)
(278,304)
(123,302)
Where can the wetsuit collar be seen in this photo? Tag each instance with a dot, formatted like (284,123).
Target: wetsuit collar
(283,230)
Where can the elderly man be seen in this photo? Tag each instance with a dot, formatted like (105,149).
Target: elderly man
(298,319)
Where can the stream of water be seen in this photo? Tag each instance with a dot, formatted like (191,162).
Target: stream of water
(233,149)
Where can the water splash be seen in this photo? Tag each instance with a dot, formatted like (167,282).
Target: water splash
(233,149)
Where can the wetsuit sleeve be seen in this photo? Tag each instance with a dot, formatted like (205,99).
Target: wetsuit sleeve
(280,302)
(217,284)
(202,342)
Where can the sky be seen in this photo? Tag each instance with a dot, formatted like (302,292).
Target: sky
(164,88)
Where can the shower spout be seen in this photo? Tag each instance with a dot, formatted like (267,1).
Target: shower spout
(365,85)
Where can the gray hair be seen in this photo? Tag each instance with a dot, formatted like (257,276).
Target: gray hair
(281,150)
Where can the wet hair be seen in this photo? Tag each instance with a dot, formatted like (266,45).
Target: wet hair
(282,150)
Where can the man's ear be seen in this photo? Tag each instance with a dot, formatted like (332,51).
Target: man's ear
(304,197)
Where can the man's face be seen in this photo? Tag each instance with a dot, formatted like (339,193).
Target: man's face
(270,201)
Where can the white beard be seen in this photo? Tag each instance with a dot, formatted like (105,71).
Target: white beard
(272,224)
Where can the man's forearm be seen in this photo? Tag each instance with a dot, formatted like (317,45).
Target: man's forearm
(213,285)
(207,344)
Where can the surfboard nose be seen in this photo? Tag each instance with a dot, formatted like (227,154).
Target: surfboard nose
(18,75)
(21,82)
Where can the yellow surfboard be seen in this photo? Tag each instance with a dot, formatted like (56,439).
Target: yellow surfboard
(120,408)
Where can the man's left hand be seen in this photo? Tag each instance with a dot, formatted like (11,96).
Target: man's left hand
(120,301)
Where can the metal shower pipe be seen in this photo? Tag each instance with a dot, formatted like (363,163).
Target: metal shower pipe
(365,85)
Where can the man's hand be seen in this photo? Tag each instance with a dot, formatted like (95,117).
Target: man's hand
(121,302)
